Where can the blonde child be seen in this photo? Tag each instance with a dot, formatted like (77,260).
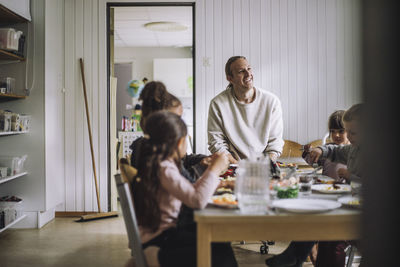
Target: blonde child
(159,191)
(338,136)
(350,155)
(331,253)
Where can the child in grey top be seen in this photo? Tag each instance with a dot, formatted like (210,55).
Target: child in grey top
(349,154)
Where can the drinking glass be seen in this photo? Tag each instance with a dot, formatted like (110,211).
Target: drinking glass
(305,183)
(252,185)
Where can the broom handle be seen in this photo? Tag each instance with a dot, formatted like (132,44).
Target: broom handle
(90,134)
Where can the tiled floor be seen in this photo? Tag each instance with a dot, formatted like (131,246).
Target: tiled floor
(64,242)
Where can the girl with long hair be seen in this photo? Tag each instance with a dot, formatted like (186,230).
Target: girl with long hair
(159,190)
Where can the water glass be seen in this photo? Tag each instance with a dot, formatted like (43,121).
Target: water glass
(305,183)
(252,185)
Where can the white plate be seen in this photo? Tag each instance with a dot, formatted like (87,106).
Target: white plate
(300,205)
(349,201)
(328,188)
(223,205)
(324,179)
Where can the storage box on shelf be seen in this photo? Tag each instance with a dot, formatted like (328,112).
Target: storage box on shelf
(10,210)
(13,122)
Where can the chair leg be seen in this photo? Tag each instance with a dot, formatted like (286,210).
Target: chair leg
(350,257)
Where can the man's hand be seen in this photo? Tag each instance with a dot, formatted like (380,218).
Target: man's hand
(231,159)
(273,156)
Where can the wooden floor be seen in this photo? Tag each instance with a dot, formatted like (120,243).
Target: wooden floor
(64,242)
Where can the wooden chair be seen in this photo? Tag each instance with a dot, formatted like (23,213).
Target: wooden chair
(291,149)
(141,258)
(316,143)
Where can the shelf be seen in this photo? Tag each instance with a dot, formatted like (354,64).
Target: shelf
(13,133)
(9,17)
(14,222)
(7,97)
(8,56)
(9,178)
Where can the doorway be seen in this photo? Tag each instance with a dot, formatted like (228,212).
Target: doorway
(153,42)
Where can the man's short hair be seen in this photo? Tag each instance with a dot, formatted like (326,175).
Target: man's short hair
(228,64)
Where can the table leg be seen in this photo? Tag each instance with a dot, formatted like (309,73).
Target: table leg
(203,245)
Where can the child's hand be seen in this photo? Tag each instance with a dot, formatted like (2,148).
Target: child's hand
(315,154)
(231,159)
(344,173)
(219,162)
(306,149)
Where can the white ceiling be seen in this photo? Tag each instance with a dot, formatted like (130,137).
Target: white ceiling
(130,32)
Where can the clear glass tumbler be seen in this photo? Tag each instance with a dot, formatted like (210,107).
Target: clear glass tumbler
(305,183)
(252,185)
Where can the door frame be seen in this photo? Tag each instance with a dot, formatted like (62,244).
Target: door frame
(108,48)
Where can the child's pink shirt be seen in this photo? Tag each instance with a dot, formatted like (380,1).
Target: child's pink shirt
(175,190)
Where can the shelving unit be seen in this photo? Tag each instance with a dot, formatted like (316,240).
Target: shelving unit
(9,178)
(8,56)
(14,222)
(13,133)
(8,97)
(7,18)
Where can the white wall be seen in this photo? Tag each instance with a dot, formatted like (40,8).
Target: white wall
(307,52)
(54,102)
(142,66)
(84,40)
(142,58)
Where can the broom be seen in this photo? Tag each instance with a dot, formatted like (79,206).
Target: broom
(99,215)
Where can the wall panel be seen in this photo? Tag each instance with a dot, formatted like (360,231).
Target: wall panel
(304,51)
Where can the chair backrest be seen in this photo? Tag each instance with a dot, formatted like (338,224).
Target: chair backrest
(326,138)
(316,143)
(128,211)
(291,150)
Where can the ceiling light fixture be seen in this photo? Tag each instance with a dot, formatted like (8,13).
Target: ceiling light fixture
(165,26)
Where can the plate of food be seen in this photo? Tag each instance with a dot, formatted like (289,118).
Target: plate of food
(227,201)
(350,201)
(230,172)
(331,188)
(304,205)
(286,164)
(323,179)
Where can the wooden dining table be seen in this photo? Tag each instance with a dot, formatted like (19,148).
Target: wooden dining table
(223,225)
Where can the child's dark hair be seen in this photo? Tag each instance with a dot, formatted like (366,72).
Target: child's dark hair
(155,97)
(164,130)
(336,120)
(174,102)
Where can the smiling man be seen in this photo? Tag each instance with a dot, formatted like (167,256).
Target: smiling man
(244,120)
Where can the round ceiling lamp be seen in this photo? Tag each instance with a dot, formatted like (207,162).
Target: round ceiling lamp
(165,26)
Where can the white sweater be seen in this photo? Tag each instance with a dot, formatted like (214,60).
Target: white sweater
(245,130)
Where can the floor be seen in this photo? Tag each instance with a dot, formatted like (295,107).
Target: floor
(64,242)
